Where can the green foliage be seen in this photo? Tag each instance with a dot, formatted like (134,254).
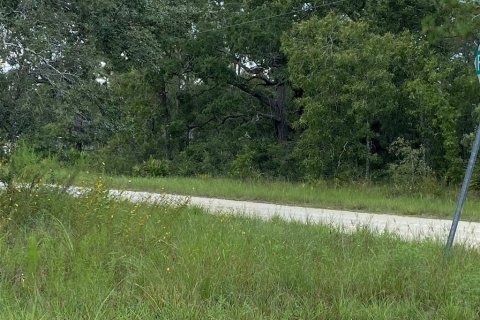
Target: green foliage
(280,89)
(51,87)
(243,164)
(411,170)
(433,197)
(24,165)
(5,176)
(152,168)
(264,160)
(95,257)
(453,19)
(363,90)
(344,99)
(202,158)
(398,15)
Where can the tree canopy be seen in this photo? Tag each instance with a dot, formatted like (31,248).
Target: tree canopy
(285,88)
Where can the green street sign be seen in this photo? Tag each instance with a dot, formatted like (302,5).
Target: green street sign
(477,62)
(468,173)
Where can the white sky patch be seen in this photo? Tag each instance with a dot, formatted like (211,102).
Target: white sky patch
(194,30)
(307,6)
(102,64)
(7,148)
(73,29)
(102,80)
(6,67)
(457,56)
(250,64)
(183,84)
(56,56)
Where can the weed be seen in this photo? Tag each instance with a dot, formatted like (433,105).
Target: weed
(97,257)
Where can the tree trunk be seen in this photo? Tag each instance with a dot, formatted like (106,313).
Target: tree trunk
(275,102)
(14,132)
(279,110)
(166,112)
(369,148)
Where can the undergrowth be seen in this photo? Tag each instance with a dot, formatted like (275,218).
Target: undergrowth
(96,257)
(420,197)
(355,196)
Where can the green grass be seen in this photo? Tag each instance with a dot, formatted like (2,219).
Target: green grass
(438,203)
(95,258)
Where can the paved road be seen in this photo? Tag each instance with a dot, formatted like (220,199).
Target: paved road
(406,227)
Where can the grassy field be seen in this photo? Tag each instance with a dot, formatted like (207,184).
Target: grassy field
(439,203)
(95,258)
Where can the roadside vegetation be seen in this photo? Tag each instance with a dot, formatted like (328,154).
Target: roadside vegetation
(381,91)
(428,198)
(365,197)
(360,105)
(353,108)
(97,257)
(94,257)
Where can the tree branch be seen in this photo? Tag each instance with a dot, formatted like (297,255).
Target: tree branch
(222,121)
(225,119)
(257,72)
(268,116)
(64,75)
(267,81)
(263,98)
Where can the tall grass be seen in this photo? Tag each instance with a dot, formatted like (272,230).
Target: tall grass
(438,202)
(94,257)
(431,200)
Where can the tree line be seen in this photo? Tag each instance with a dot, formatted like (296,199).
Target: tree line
(353,90)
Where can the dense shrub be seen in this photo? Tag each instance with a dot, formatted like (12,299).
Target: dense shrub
(152,168)
(410,172)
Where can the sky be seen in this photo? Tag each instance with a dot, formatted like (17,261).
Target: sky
(5,67)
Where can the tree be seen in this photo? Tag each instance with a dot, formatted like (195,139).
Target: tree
(365,88)
(51,64)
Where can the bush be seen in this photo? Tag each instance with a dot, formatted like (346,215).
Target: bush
(243,165)
(203,158)
(411,170)
(24,165)
(152,168)
(266,159)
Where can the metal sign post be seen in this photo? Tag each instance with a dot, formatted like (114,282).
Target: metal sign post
(468,173)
